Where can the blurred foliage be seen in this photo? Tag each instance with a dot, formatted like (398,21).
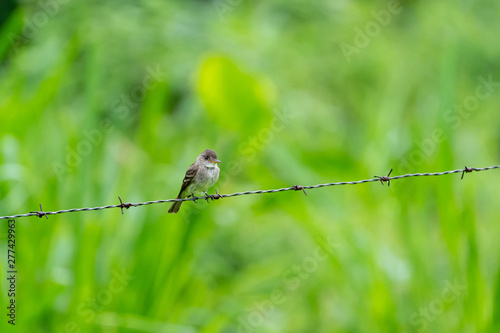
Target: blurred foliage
(117,98)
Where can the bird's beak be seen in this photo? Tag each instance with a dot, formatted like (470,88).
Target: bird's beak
(216,161)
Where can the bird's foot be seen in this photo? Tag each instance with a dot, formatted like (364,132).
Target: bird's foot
(194,198)
(208,196)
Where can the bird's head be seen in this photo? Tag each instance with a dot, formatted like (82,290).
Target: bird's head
(208,158)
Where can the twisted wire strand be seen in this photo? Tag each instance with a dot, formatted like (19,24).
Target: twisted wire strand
(381,179)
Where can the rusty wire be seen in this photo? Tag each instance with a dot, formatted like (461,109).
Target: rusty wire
(382,179)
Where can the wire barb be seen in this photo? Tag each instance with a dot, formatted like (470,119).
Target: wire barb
(216,196)
(40,213)
(385,178)
(467,170)
(125,205)
(298,188)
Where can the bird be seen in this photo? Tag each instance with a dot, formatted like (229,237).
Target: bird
(200,176)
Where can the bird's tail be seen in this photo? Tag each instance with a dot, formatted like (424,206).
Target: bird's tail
(175,207)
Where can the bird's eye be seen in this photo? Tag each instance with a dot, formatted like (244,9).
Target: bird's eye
(206,157)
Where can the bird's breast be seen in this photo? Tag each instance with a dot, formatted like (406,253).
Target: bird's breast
(206,179)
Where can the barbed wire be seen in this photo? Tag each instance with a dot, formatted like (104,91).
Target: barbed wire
(382,179)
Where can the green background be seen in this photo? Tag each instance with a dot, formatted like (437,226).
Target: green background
(100,99)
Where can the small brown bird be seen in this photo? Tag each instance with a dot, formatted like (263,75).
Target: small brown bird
(200,176)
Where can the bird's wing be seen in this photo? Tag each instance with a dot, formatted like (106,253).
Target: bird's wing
(188,178)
